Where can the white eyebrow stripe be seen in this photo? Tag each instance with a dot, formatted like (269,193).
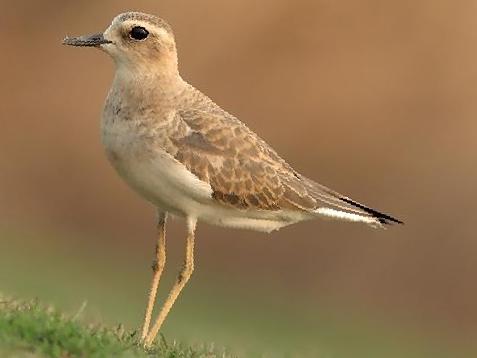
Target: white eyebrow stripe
(151,28)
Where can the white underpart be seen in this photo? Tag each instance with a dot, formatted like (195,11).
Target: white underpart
(167,183)
(343,215)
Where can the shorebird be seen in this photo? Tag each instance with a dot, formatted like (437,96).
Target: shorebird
(190,158)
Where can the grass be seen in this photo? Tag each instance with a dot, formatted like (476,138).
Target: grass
(253,320)
(30,329)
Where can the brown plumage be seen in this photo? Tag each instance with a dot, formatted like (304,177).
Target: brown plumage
(242,169)
(190,158)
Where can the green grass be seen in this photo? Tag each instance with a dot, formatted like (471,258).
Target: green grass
(252,320)
(29,329)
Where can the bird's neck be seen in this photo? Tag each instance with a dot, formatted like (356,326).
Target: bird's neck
(146,87)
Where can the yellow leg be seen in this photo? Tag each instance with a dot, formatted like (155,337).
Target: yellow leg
(181,281)
(157,268)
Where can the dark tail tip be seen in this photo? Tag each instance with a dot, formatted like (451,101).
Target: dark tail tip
(383,218)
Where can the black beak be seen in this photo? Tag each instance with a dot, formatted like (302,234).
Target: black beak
(87,40)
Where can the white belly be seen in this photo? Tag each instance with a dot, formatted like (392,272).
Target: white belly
(155,174)
(167,184)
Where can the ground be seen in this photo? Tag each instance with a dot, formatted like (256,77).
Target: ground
(30,329)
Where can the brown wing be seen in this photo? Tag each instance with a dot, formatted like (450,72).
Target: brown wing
(243,171)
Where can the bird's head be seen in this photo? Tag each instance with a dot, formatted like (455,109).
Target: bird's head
(135,41)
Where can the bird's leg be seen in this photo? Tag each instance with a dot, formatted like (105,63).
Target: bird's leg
(181,281)
(157,268)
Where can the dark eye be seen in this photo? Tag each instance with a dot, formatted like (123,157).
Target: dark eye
(138,33)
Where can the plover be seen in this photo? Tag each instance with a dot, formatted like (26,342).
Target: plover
(190,158)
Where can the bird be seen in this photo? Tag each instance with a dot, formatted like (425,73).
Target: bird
(192,159)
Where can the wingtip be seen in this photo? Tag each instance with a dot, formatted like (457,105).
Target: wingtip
(383,219)
(389,220)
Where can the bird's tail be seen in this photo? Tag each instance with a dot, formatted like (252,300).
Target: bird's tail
(335,205)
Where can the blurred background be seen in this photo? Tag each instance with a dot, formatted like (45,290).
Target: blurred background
(374,99)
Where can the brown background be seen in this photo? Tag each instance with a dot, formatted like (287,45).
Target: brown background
(375,99)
